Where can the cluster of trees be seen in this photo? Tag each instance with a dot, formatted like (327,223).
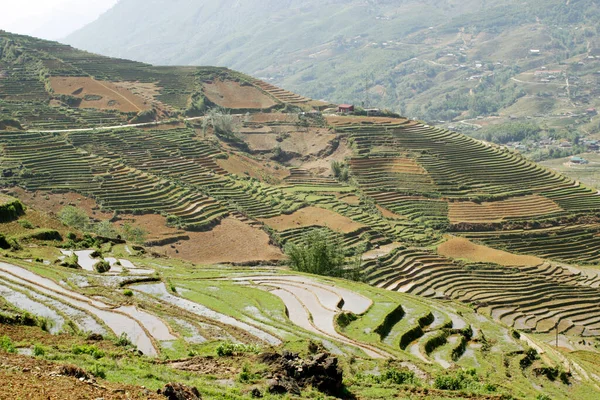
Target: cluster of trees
(323,254)
(340,170)
(510,132)
(78,219)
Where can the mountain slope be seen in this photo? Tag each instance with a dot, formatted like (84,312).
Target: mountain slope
(414,56)
(476,258)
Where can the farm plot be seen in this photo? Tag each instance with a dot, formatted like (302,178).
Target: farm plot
(517,207)
(99,95)
(314,306)
(119,322)
(313,216)
(233,95)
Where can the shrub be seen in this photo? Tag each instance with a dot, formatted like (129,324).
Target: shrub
(320,255)
(89,350)
(102,266)
(7,345)
(71,261)
(398,377)
(39,350)
(98,371)
(227,349)
(123,340)
(26,224)
(128,292)
(74,217)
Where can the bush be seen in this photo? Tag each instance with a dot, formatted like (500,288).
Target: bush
(74,217)
(398,377)
(26,224)
(102,266)
(98,371)
(38,350)
(88,350)
(128,292)
(71,261)
(123,340)
(228,349)
(319,255)
(7,345)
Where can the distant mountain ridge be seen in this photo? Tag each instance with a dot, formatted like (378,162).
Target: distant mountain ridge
(339,50)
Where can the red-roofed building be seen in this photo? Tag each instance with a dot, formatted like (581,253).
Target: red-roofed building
(345,108)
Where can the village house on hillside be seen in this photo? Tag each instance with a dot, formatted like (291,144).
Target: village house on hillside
(345,108)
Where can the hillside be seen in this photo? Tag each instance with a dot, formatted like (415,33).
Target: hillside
(171,234)
(440,61)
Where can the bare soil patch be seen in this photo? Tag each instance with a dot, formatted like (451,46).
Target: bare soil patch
(232,241)
(322,165)
(388,214)
(310,216)
(312,142)
(465,249)
(241,165)
(52,203)
(525,206)
(274,118)
(101,95)
(231,94)
(350,199)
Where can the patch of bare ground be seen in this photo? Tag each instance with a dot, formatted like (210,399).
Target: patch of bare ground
(52,203)
(274,118)
(101,95)
(149,91)
(30,378)
(227,366)
(349,199)
(231,94)
(33,378)
(312,142)
(232,241)
(310,216)
(388,214)
(154,225)
(465,249)
(241,165)
(322,165)
(524,206)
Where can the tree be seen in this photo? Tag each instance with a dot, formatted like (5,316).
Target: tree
(105,229)
(223,123)
(133,233)
(320,254)
(102,266)
(74,217)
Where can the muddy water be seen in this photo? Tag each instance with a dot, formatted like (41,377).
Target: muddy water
(353,301)
(85,259)
(327,298)
(83,320)
(439,354)
(25,303)
(303,305)
(161,292)
(118,323)
(157,328)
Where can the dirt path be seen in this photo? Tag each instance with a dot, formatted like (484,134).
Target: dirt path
(113,127)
